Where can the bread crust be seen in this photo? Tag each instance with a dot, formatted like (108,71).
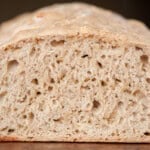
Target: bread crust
(74,139)
(9,138)
(79,18)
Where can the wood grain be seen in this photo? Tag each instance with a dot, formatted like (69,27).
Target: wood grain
(71,146)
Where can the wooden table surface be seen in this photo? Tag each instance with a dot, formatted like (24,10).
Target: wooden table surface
(72,146)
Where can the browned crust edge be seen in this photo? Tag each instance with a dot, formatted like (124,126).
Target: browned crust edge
(77,139)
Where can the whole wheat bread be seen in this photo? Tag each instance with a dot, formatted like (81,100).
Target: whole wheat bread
(74,72)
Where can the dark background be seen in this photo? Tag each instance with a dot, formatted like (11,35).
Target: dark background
(138,9)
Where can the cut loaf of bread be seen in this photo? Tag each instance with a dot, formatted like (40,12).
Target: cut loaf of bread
(74,72)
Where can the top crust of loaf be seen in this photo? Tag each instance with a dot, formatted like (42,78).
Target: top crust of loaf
(71,20)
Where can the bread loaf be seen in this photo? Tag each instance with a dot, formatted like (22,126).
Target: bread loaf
(74,72)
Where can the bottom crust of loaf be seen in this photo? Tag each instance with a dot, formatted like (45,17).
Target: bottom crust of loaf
(74,139)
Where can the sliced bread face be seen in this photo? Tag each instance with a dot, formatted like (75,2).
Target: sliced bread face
(78,83)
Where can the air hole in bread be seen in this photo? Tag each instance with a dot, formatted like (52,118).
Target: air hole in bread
(79,111)
(93,79)
(53,65)
(112,134)
(124,131)
(134,114)
(30,100)
(52,80)
(55,43)
(103,83)
(136,92)
(81,118)
(85,55)
(2,95)
(126,65)
(41,109)
(54,102)
(56,55)
(76,131)
(129,84)
(20,126)
(117,80)
(35,81)
(57,120)
(96,104)
(62,75)
(116,95)
(77,52)
(38,93)
(147,133)
(12,65)
(145,107)
(15,109)
(143,68)
(148,80)
(11,130)
(144,58)
(86,79)
(103,56)
(142,119)
(99,64)
(31,116)
(59,61)
(76,81)
(132,103)
(32,51)
(24,116)
(114,46)
(50,88)
(137,48)
(85,87)
(120,103)
(127,91)
(89,72)
(24,98)
(89,121)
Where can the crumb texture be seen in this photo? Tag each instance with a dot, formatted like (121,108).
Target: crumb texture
(81,89)
(76,75)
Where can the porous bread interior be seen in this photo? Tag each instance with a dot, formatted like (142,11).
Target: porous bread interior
(77,88)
